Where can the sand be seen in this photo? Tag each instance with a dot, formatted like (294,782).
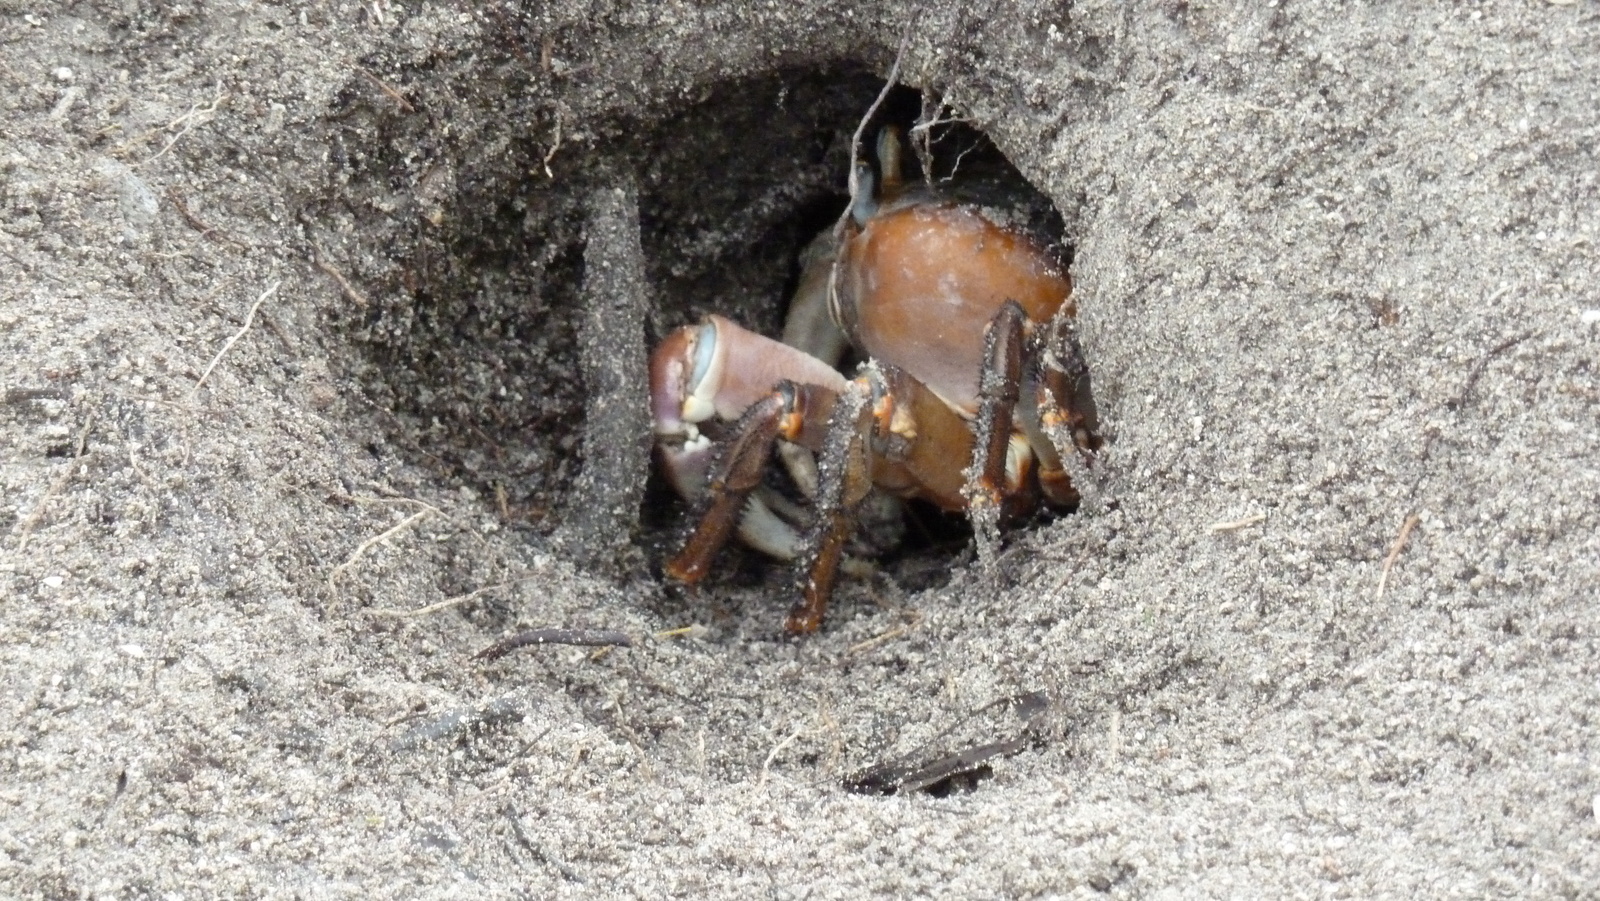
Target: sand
(298,336)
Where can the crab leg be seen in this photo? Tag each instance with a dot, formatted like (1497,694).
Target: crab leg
(738,473)
(846,480)
(888,430)
(1063,418)
(999,387)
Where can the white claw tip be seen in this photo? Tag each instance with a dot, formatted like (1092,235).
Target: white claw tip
(697,409)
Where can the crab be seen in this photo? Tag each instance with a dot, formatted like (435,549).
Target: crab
(972,392)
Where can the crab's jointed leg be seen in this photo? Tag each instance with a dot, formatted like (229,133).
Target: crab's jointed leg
(997,470)
(846,478)
(889,431)
(1063,420)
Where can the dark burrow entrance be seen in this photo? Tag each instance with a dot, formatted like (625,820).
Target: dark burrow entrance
(774,180)
(475,333)
(734,190)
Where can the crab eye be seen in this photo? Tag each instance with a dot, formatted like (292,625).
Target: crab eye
(705,350)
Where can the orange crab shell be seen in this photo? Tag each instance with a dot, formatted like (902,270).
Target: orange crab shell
(920,283)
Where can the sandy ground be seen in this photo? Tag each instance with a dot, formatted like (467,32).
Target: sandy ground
(291,336)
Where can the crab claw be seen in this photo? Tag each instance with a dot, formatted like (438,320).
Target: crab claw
(718,370)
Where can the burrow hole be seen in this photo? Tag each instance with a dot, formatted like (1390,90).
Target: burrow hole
(738,185)
(474,357)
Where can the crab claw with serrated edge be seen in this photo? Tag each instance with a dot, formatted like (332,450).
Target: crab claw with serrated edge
(716,370)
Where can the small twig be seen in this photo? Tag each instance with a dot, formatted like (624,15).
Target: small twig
(537,850)
(83,435)
(972,763)
(446,604)
(1476,373)
(772,755)
(694,630)
(921,134)
(1234,525)
(861,128)
(396,499)
(133,458)
(226,345)
(854,180)
(924,126)
(1454,404)
(188,120)
(876,640)
(957,164)
(585,638)
(916,772)
(385,87)
(465,527)
(278,332)
(356,297)
(372,542)
(1394,552)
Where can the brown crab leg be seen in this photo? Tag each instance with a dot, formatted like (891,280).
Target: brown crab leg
(999,387)
(717,371)
(1064,412)
(998,391)
(846,478)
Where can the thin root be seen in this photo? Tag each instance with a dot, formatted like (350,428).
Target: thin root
(1394,551)
(587,638)
(447,603)
(356,297)
(855,152)
(690,631)
(372,542)
(766,765)
(554,146)
(876,640)
(249,318)
(187,120)
(1234,525)
(384,86)
(208,232)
